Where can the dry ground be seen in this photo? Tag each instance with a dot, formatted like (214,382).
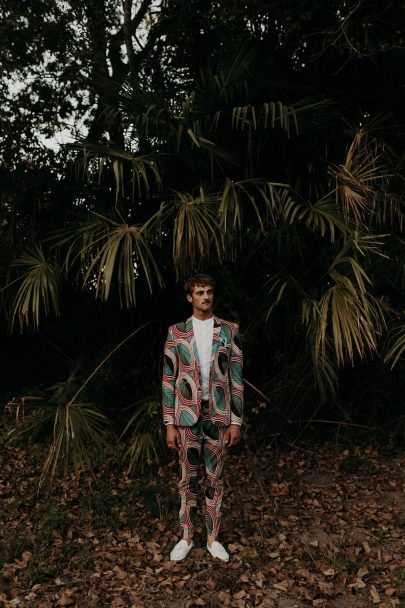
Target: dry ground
(321,526)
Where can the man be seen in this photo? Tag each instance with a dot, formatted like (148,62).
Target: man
(202,407)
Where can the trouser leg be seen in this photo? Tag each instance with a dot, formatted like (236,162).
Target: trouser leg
(214,461)
(189,454)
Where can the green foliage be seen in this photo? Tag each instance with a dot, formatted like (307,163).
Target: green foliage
(265,151)
(109,252)
(396,345)
(39,288)
(75,427)
(146,434)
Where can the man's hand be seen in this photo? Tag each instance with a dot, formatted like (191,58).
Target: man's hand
(232,435)
(173,438)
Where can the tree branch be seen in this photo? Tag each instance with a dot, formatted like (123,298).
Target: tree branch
(127,29)
(137,20)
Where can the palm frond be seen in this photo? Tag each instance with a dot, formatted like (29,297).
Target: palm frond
(110,251)
(388,208)
(278,287)
(77,426)
(195,227)
(321,216)
(325,378)
(309,312)
(141,452)
(270,115)
(219,85)
(39,289)
(357,178)
(147,434)
(396,345)
(264,198)
(354,244)
(144,167)
(353,318)
(76,429)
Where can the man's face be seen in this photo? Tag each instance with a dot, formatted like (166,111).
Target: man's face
(202,298)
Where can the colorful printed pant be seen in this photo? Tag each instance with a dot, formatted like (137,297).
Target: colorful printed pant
(206,436)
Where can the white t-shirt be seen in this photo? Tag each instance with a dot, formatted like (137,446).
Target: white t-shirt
(203,336)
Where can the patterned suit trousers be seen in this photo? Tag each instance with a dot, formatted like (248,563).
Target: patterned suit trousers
(206,437)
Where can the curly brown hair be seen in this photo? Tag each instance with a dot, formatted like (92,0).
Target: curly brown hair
(198,279)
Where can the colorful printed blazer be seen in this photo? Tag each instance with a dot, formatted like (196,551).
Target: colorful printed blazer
(181,375)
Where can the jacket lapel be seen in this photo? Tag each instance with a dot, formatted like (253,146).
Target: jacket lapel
(192,341)
(215,337)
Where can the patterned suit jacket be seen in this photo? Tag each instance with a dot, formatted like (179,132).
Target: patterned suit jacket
(181,375)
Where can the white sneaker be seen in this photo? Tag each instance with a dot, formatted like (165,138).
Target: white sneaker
(180,551)
(217,550)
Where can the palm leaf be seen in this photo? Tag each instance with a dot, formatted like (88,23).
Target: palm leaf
(270,115)
(353,318)
(147,434)
(325,377)
(39,288)
(355,179)
(110,251)
(321,216)
(356,243)
(77,428)
(141,452)
(396,345)
(278,288)
(194,225)
(238,195)
(143,166)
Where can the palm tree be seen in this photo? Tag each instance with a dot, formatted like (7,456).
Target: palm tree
(227,174)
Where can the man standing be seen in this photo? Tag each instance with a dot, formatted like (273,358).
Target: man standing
(202,407)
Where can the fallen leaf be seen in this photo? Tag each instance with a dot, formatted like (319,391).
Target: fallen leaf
(280,587)
(23,563)
(120,574)
(362,572)
(239,595)
(375,596)
(225,598)
(328,572)
(366,547)
(358,584)
(65,600)
(326,588)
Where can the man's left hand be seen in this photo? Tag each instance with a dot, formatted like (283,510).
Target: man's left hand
(232,435)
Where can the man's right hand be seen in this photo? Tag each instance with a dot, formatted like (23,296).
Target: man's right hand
(173,438)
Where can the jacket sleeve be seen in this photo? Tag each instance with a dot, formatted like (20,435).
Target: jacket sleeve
(236,378)
(170,367)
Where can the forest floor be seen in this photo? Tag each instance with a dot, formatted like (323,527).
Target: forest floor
(317,524)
